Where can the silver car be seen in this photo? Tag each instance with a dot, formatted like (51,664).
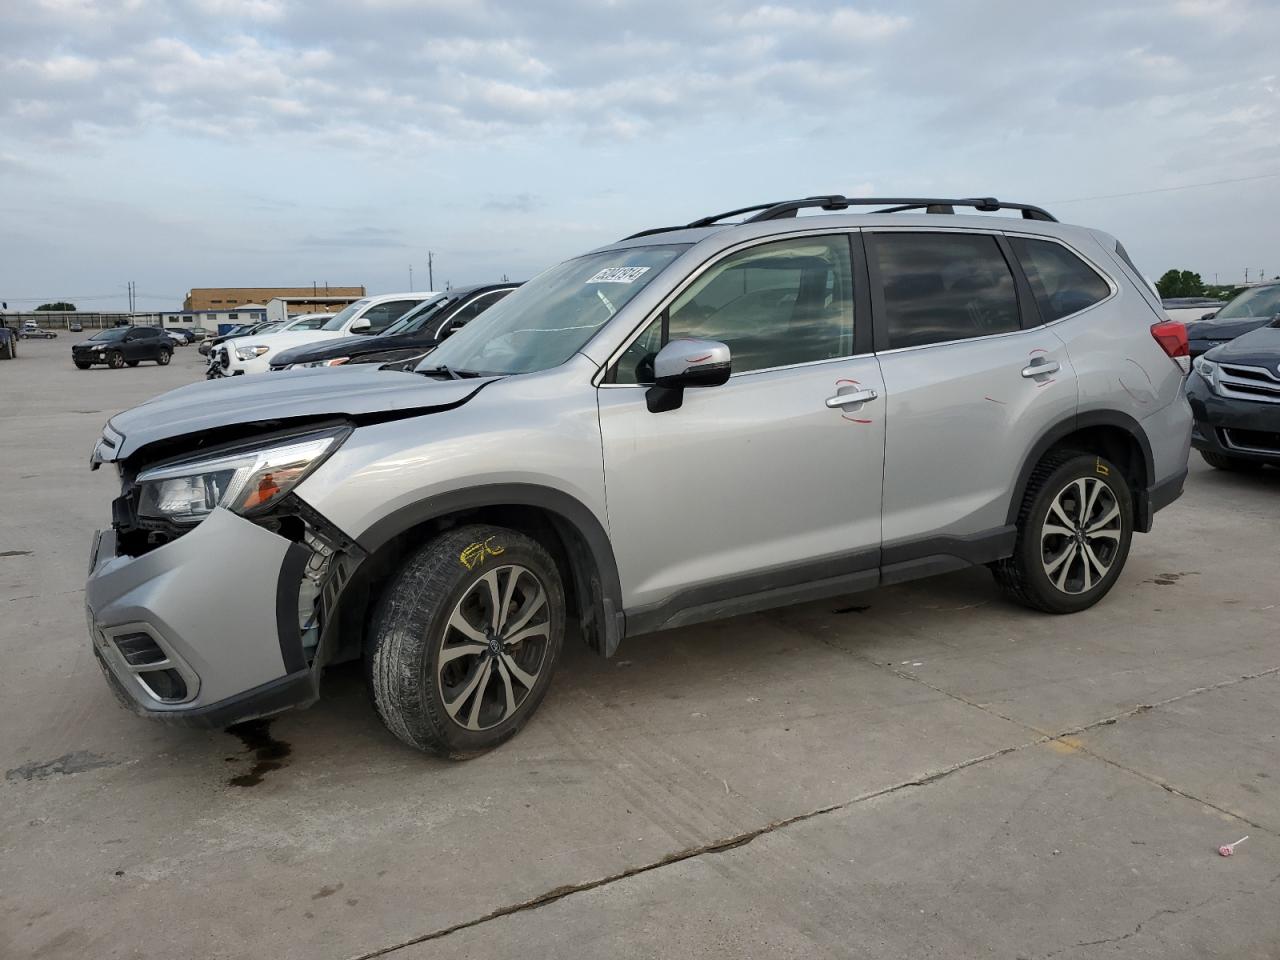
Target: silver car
(689,424)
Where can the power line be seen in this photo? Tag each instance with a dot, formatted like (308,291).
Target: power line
(1185,186)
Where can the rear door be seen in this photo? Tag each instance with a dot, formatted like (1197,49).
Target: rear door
(972,380)
(766,482)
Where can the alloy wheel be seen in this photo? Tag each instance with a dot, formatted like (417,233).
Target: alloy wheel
(494,647)
(1080,537)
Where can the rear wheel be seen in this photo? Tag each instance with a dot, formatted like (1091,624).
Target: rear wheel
(1074,530)
(115,359)
(466,639)
(1220,461)
(164,357)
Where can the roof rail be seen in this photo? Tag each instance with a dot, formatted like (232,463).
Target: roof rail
(789,208)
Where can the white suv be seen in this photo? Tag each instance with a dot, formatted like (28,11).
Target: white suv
(369,316)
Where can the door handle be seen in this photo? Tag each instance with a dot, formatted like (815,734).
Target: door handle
(1040,369)
(848,399)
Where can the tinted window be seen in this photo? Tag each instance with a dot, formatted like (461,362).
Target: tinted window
(774,305)
(944,286)
(1061,281)
(382,315)
(473,309)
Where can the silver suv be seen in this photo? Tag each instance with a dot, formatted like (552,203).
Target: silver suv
(692,423)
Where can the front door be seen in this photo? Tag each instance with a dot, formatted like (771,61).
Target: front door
(767,482)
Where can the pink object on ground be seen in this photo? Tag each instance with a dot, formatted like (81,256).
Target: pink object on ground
(1227,849)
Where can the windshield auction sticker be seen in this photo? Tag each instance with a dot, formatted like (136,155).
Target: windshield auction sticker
(619,275)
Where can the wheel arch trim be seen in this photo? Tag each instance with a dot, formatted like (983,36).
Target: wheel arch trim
(1083,421)
(567,508)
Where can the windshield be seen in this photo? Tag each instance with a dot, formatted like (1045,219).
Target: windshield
(1258,302)
(345,314)
(115,333)
(546,321)
(415,318)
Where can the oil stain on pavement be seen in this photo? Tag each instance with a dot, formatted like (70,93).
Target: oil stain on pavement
(268,752)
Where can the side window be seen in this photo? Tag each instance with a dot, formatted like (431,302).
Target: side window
(473,309)
(1061,281)
(382,315)
(944,286)
(775,305)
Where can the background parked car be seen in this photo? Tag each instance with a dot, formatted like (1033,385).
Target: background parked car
(413,334)
(1235,398)
(75,326)
(30,331)
(1248,310)
(242,328)
(367,317)
(303,322)
(8,342)
(119,346)
(1189,309)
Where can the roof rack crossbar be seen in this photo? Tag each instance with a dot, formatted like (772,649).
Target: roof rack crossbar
(789,208)
(900,205)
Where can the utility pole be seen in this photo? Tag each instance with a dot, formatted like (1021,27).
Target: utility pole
(431,275)
(411,277)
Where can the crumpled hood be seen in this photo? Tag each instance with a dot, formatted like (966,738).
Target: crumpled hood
(1260,348)
(1224,329)
(289,396)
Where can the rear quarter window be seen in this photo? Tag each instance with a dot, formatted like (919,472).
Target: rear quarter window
(1061,282)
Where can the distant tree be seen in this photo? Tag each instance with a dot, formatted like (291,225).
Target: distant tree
(1180,283)
(61,306)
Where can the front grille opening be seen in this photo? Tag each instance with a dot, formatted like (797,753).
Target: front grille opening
(1252,439)
(166,685)
(139,650)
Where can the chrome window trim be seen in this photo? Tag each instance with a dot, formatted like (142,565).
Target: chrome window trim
(693,275)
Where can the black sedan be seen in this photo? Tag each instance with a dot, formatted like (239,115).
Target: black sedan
(1248,310)
(1235,398)
(413,334)
(118,346)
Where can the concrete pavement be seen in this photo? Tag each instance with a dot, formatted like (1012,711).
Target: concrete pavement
(919,770)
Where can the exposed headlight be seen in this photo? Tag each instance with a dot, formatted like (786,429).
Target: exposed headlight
(248,353)
(335,362)
(1208,370)
(242,481)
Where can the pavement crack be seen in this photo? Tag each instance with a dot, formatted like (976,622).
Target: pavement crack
(715,847)
(1164,911)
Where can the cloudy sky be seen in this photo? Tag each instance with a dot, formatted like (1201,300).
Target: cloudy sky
(261,142)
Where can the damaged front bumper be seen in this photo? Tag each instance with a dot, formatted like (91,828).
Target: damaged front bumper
(217,626)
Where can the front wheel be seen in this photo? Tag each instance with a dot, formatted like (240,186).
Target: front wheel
(465,640)
(81,365)
(115,359)
(1220,461)
(1074,530)
(164,357)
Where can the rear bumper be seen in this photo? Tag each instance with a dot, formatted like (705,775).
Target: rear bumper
(1231,427)
(205,629)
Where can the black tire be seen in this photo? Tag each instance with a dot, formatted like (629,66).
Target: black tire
(82,365)
(1220,461)
(163,359)
(7,351)
(1024,576)
(133,363)
(115,359)
(412,626)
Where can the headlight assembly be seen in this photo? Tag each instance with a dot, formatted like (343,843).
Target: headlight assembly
(243,481)
(335,362)
(1208,370)
(248,353)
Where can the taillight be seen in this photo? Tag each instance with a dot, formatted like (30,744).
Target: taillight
(1172,337)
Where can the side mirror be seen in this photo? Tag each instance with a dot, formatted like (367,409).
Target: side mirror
(686,363)
(360,325)
(1210,315)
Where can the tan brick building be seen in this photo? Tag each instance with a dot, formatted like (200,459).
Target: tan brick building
(226,298)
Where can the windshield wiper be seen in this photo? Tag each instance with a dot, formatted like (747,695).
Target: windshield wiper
(451,373)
